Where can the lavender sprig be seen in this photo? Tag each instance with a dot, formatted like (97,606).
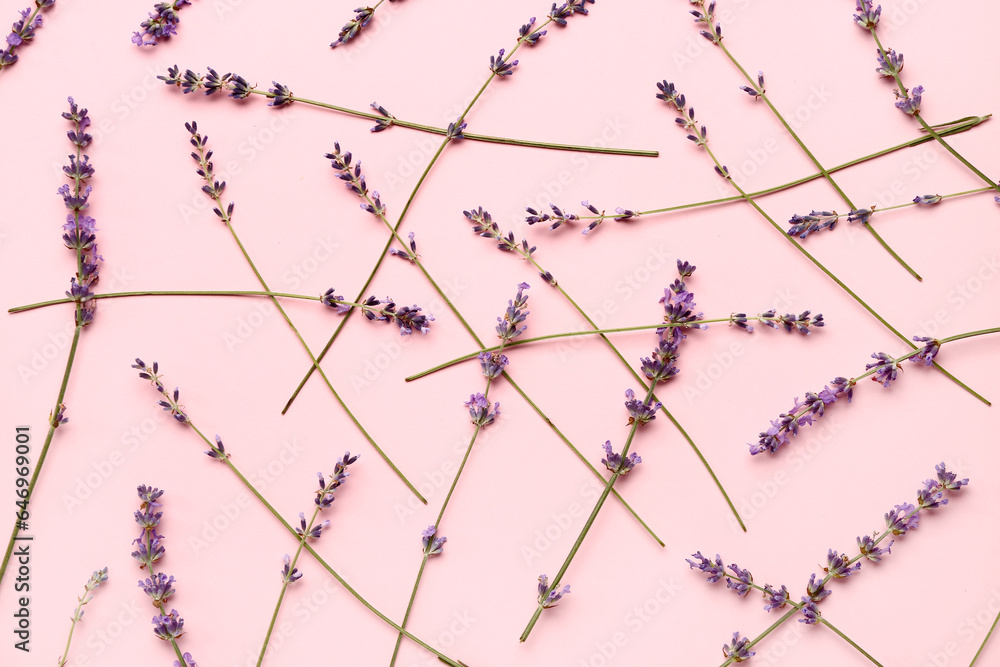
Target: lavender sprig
(898,521)
(167,626)
(161,24)
(96,579)
(885,370)
(311,530)
(23,31)
(407,318)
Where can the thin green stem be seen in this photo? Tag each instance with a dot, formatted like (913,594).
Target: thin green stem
(319,559)
(485,138)
(816,162)
(45,447)
(609,485)
(774,626)
(177,652)
(118,295)
(409,607)
(750,200)
(985,639)
(96,580)
(904,92)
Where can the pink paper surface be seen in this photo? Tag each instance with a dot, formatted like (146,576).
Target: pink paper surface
(523,496)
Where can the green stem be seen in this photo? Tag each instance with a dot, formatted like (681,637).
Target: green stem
(750,200)
(985,639)
(816,162)
(319,559)
(485,138)
(772,628)
(409,607)
(609,485)
(118,295)
(45,447)
(927,128)
(177,652)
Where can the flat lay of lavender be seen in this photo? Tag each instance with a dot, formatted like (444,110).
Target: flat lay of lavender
(415,333)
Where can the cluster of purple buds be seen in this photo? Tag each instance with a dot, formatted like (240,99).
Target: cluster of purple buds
(383,123)
(150,550)
(618,464)
(218,450)
(79,231)
(641,412)
(411,254)
(493,364)
(860,215)
(549,598)
(433,545)
(484,225)
(621,215)
(678,304)
(480,411)
(190,81)
(455,131)
(213,188)
(280,95)
(707,16)
(802,413)
(814,221)
(927,353)
(22,31)
(162,22)
(558,217)
(890,64)
(168,626)
(362,17)
(755,91)
(501,66)
(802,323)
(739,649)
(867,17)
(307,532)
(58,417)
(407,318)
(887,369)
(528,35)
(324,494)
(927,200)
(910,103)
(508,327)
(289,574)
(169,403)
(559,13)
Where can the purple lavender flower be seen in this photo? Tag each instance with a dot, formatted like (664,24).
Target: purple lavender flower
(324,494)
(159,588)
(816,588)
(868,549)
(860,215)
(149,549)
(218,451)
(493,364)
(23,31)
(707,17)
(289,574)
(755,91)
(314,532)
(560,13)
(867,17)
(362,17)
(889,64)
(776,599)
(887,368)
(739,649)
(810,611)
(902,519)
(558,217)
(661,366)
(188,661)
(149,494)
(502,66)
(383,123)
(409,255)
(949,480)
(433,545)
(454,131)
(527,35)
(484,225)
(479,410)
(839,565)
(640,412)
(714,569)
(910,104)
(281,95)
(928,351)
(743,582)
(59,416)
(802,323)
(162,23)
(169,626)
(814,221)
(927,199)
(614,462)
(507,326)
(549,598)
(335,301)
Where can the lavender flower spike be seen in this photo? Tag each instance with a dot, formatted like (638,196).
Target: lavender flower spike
(507,326)
(867,17)
(362,17)
(888,368)
(162,23)
(502,66)
(638,411)
(23,31)
(549,598)
(910,104)
(479,410)
(614,462)
(738,650)
(433,545)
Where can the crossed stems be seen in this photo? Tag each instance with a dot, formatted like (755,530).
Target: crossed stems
(928,128)
(222,456)
(608,486)
(759,90)
(722,170)
(214,191)
(569,334)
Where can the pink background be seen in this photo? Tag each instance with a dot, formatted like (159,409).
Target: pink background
(929,603)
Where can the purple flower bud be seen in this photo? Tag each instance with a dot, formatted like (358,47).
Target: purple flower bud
(433,545)
(549,598)
(739,649)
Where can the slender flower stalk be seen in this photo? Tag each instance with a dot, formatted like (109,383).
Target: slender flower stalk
(790,321)
(161,24)
(705,16)
(79,235)
(159,587)
(23,31)
(986,639)
(214,190)
(594,216)
(899,521)
(240,89)
(96,579)
(908,101)
(170,402)
(484,225)
(509,327)
(671,96)
(885,370)
(311,531)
